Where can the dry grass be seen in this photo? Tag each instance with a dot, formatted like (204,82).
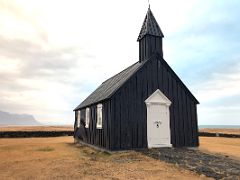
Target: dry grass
(45,149)
(60,158)
(219,130)
(225,146)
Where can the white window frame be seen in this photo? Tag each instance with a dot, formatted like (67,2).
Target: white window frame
(99,116)
(78,118)
(87,117)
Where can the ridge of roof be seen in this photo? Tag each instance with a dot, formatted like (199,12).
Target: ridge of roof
(150,26)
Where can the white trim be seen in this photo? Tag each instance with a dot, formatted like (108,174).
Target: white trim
(158,120)
(99,116)
(78,118)
(159,145)
(162,99)
(155,103)
(87,117)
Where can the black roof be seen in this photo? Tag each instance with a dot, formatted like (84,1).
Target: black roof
(150,26)
(111,85)
(108,87)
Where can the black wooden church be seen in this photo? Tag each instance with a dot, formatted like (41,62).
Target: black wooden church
(146,105)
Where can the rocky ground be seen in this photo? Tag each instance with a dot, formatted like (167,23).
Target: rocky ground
(215,166)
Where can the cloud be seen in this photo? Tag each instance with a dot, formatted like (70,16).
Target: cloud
(40,80)
(53,56)
(218,115)
(219,96)
(204,52)
(221,85)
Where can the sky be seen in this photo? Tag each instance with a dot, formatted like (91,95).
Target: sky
(53,54)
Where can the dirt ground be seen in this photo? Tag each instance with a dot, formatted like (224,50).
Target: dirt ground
(225,146)
(219,130)
(37,128)
(59,158)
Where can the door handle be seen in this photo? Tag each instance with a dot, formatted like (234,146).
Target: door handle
(158,123)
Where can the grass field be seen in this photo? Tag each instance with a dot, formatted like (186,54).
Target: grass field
(220,130)
(219,145)
(225,146)
(60,158)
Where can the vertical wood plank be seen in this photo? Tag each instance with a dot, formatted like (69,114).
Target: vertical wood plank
(180,114)
(106,106)
(196,126)
(188,107)
(175,115)
(122,127)
(143,107)
(134,110)
(117,123)
(140,94)
(129,111)
(112,118)
(172,121)
(193,118)
(185,120)
(154,77)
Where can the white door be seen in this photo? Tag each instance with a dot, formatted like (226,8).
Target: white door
(158,120)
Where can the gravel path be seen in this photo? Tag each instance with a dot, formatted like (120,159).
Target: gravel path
(218,167)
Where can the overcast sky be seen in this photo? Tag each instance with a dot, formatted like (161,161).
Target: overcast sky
(53,54)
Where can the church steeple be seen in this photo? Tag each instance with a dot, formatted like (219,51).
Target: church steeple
(150,37)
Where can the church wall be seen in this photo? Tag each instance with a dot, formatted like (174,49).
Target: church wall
(129,123)
(92,135)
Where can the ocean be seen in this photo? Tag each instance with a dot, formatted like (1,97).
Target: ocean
(219,126)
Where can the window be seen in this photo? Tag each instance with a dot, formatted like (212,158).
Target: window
(87,117)
(78,118)
(99,116)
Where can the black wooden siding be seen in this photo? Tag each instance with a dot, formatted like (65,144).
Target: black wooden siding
(94,136)
(148,45)
(125,113)
(129,123)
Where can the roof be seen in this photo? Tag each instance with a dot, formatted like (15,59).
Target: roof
(108,87)
(150,26)
(111,85)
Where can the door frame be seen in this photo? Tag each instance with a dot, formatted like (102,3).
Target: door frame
(158,98)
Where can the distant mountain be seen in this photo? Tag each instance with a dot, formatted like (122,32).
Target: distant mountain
(17,119)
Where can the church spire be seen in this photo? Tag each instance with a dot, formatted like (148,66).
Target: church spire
(150,37)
